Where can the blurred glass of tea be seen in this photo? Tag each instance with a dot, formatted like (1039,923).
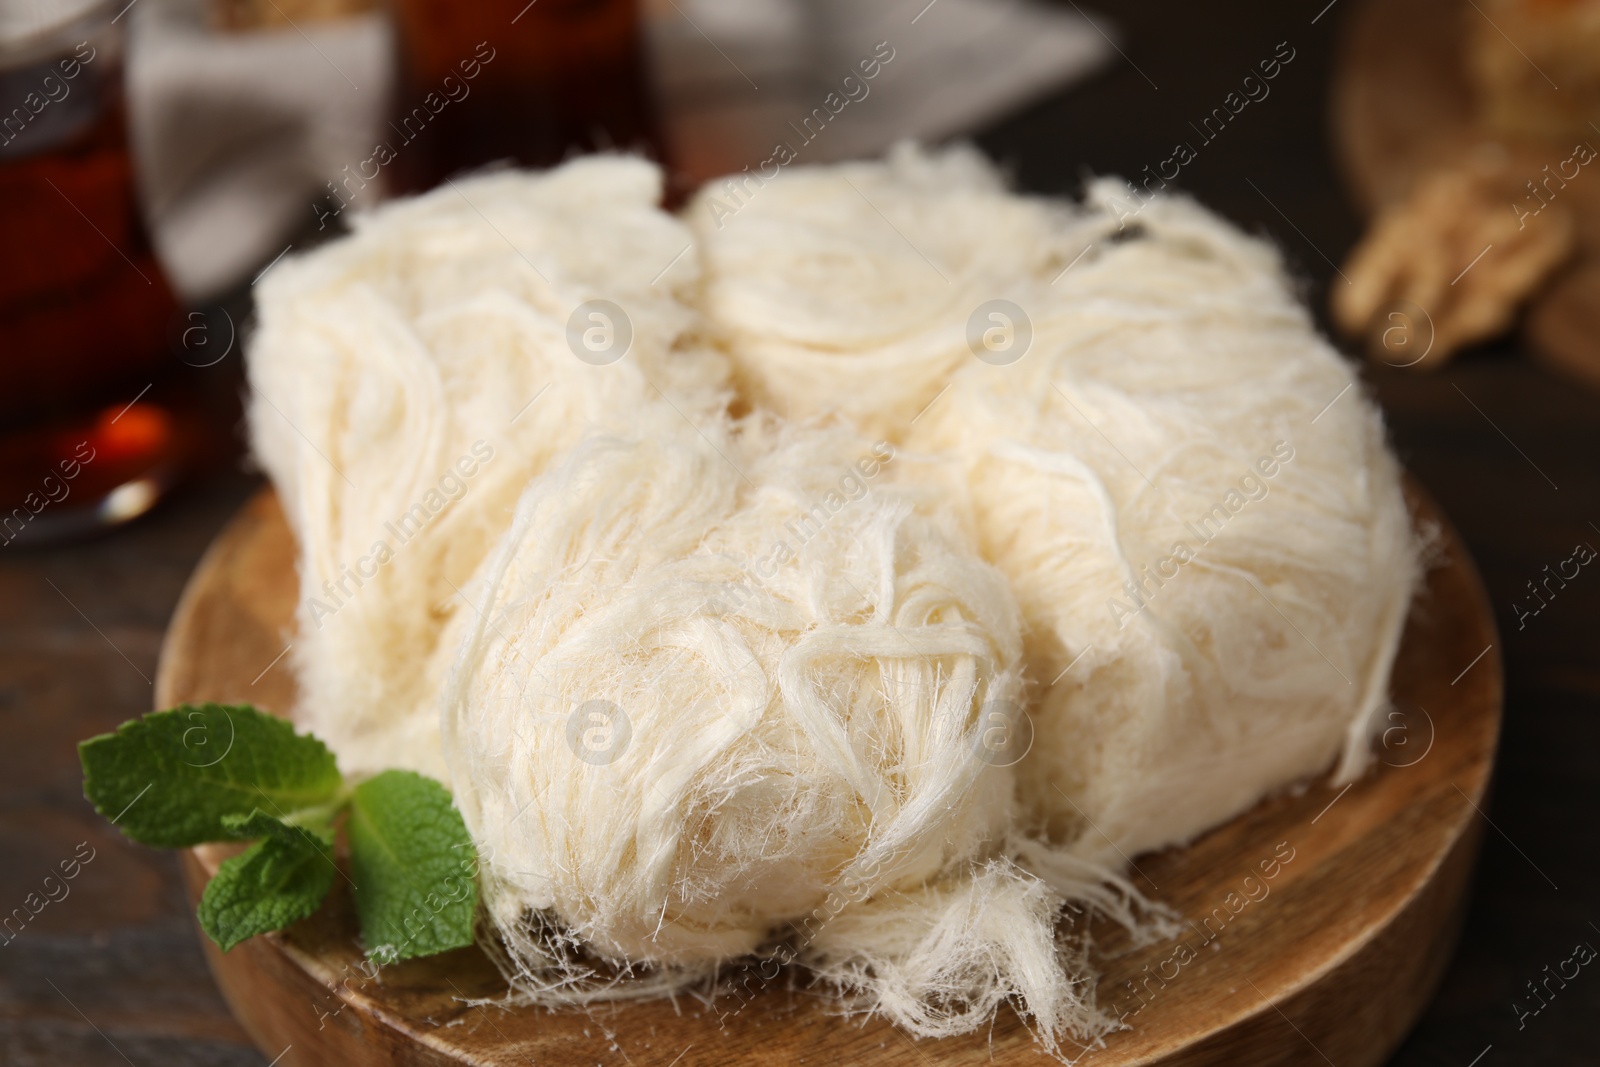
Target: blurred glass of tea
(85,311)
(493,80)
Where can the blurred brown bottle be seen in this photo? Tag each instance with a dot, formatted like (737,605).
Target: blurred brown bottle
(491,80)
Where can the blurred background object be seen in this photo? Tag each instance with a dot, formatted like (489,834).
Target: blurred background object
(241,122)
(264,14)
(247,127)
(85,310)
(527,82)
(1536,66)
(85,305)
(737,79)
(1468,131)
(259,122)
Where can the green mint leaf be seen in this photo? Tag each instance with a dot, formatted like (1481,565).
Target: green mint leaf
(414,867)
(277,881)
(169,778)
(260,824)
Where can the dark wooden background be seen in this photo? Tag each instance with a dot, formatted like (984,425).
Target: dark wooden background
(113,974)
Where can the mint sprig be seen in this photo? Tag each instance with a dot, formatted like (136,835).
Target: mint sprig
(275,882)
(174,775)
(216,772)
(413,866)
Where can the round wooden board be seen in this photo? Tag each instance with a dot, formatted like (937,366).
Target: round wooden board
(1333,963)
(1403,105)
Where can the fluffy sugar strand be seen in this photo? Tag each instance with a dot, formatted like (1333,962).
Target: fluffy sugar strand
(679,759)
(1192,500)
(409,380)
(713,641)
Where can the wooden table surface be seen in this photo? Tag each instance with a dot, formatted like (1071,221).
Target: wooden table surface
(112,973)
